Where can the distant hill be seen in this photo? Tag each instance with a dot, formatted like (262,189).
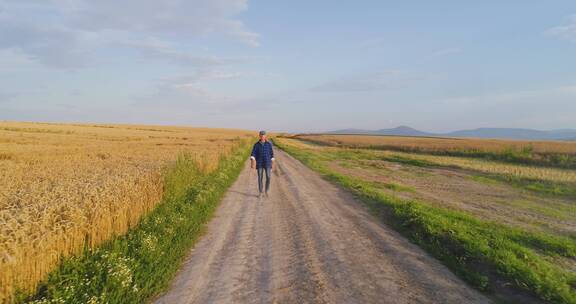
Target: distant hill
(504,133)
(404,131)
(398,131)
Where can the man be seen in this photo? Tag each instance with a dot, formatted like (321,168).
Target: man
(263,157)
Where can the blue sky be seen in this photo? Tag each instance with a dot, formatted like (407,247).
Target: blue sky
(290,65)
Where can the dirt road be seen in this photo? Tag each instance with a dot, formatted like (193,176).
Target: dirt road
(309,242)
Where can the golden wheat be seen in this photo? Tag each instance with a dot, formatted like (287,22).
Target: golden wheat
(431,144)
(63,187)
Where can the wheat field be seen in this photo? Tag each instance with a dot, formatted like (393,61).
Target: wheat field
(439,144)
(64,187)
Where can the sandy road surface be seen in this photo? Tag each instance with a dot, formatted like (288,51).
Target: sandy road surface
(309,242)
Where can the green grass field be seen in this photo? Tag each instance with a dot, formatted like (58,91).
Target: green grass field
(538,178)
(559,154)
(497,257)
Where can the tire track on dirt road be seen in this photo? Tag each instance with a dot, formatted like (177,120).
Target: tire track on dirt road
(309,242)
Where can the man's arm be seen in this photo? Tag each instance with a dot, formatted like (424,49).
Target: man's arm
(253,157)
(271,155)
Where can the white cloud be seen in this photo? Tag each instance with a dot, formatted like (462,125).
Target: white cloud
(383,80)
(447,51)
(566,31)
(63,33)
(570,89)
(559,94)
(542,108)
(50,45)
(13,59)
(7,97)
(189,90)
(191,94)
(173,17)
(204,76)
(163,50)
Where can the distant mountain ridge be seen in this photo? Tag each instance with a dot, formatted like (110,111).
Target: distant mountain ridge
(502,133)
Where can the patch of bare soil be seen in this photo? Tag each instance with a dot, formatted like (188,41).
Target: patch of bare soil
(459,189)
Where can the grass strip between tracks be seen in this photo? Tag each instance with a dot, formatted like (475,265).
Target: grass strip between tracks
(136,266)
(498,259)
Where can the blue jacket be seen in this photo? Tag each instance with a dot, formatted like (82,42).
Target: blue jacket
(263,154)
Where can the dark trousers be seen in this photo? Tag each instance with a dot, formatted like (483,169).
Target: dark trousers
(261,172)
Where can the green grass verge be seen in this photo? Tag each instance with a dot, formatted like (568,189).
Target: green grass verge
(549,188)
(140,264)
(537,186)
(483,253)
(395,187)
(525,155)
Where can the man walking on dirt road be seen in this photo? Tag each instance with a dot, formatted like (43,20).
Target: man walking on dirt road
(263,156)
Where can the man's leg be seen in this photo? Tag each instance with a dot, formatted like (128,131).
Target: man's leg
(260,173)
(268,175)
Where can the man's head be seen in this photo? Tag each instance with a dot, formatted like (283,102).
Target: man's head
(262,135)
